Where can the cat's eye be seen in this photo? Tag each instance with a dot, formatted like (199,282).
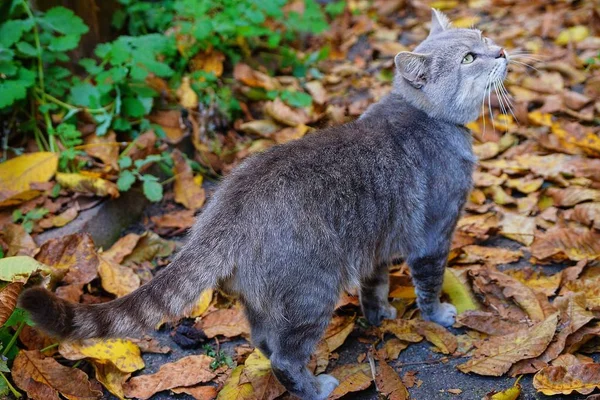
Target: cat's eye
(468,59)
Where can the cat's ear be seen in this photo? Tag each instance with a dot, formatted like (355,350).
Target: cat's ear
(412,67)
(439,22)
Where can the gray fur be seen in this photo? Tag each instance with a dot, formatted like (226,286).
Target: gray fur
(291,228)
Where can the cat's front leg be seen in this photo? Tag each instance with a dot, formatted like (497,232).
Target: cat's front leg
(427,271)
(374,291)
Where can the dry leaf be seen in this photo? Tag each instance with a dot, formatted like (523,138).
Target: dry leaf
(43,378)
(437,335)
(458,290)
(104,148)
(403,329)
(252,78)
(495,356)
(186,371)
(489,323)
(19,242)
(512,393)
(257,372)
(389,383)
(229,323)
(284,114)
(117,279)
(122,353)
(338,330)
(566,243)
(582,378)
(187,96)
(352,378)
(198,392)
(88,183)
(186,191)
(111,377)
(474,254)
(17,174)
(8,299)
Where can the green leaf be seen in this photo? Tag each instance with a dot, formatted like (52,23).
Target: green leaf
(203,29)
(63,20)
(18,268)
(69,135)
(84,94)
(36,214)
(64,43)
(8,68)
(126,179)
(90,65)
(125,162)
(133,107)
(16,89)
(152,190)
(12,30)
(27,49)
(121,124)
(18,315)
(296,99)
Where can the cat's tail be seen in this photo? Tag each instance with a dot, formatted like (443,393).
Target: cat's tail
(169,294)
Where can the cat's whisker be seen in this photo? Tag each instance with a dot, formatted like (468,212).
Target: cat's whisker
(525,57)
(508,100)
(500,99)
(490,108)
(523,64)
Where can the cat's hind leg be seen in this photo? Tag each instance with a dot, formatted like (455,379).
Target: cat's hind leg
(292,343)
(427,271)
(374,291)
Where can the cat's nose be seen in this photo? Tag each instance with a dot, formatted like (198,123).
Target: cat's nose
(501,53)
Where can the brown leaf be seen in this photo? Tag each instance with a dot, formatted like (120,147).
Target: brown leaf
(53,221)
(352,378)
(43,378)
(518,227)
(566,243)
(284,114)
(488,322)
(257,372)
(19,242)
(437,335)
(148,344)
(111,377)
(389,383)
(489,255)
(189,194)
(8,300)
(582,378)
(198,392)
(170,122)
(495,356)
(536,280)
(121,248)
(182,219)
(148,247)
(186,371)
(104,148)
(391,348)
(72,257)
(588,214)
(317,91)
(338,330)
(403,329)
(228,322)
(252,78)
(572,195)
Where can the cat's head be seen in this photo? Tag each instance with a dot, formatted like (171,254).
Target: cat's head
(451,72)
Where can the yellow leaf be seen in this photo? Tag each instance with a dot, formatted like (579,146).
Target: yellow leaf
(186,191)
(257,371)
(540,118)
(338,331)
(202,304)
(437,335)
(187,97)
(403,329)
(87,184)
(512,393)
(444,4)
(458,290)
(18,173)
(574,34)
(117,279)
(495,356)
(111,378)
(124,354)
(233,390)
(581,378)
(352,378)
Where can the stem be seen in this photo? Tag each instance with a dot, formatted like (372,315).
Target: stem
(49,347)
(14,338)
(42,87)
(14,391)
(77,364)
(71,106)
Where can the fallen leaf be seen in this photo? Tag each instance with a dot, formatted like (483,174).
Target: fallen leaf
(317,91)
(148,247)
(171,122)
(512,393)
(338,330)
(187,96)
(573,34)
(122,353)
(257,372)
(228,322)
(252,78)
(547,284)
(403,329)
(186,371)
(566,243)
(111,377)
(518,227)
(284,114)
(389,383)
(588,214)
(19,268)
(43,378)
(208,61)
(121,248)
(437,335)
(352,378)
(78,182)
(202,304)
(572,195)
(474,254)
(17,174)
(233,389)
(198,392)
(59,220)
(582,378)
(459,291)
(182,219)
(117,279)
(262,127)
(186,191)
(495,356)
(19,242)
(9,293)
(104,148)
(488,322)
(72,258)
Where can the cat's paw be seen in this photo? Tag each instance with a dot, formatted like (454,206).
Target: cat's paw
(375,315)
(327,384)
(444,315)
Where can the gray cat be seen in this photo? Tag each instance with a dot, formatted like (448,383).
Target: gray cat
(291,228)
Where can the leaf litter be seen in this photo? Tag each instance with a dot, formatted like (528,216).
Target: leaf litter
(537,185)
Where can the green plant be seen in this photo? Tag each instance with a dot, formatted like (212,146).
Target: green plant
(27,220)
(9,332)
(131,171)
(220,358)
